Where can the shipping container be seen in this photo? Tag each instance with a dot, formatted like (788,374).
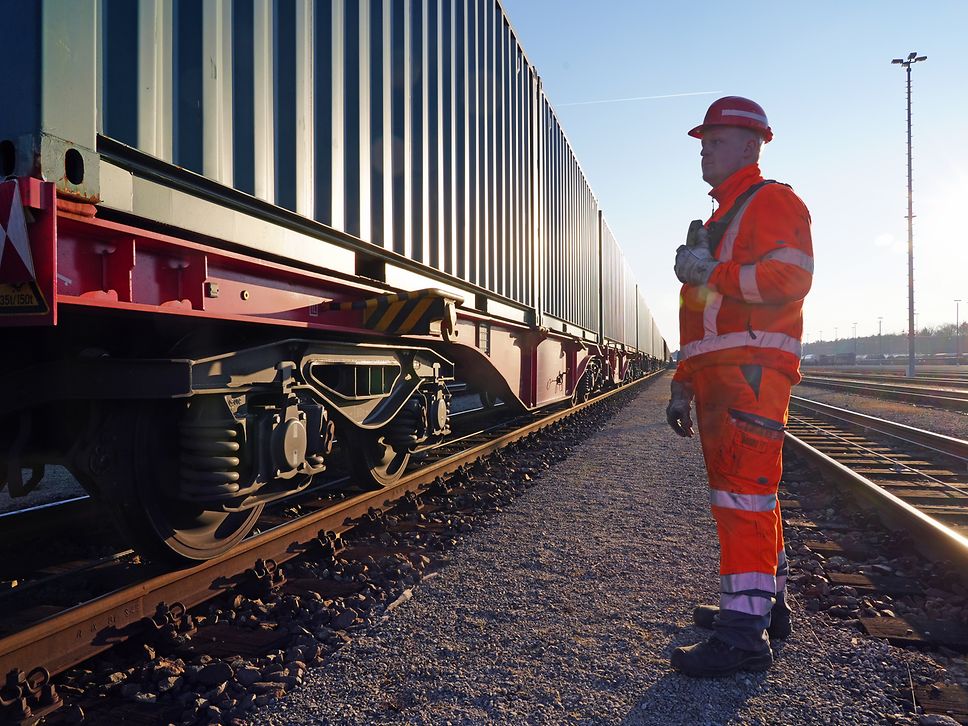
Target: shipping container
(644,328)
(619,292)
(397,138)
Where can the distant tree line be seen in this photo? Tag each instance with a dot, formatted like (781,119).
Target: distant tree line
(928,341)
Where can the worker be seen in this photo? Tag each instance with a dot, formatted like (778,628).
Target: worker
(745,273)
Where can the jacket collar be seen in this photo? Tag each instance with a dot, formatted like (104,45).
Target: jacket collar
(735,185)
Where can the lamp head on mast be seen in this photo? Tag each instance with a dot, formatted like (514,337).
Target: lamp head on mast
(913,57)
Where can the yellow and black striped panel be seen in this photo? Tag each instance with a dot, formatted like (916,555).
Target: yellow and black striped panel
(406,313)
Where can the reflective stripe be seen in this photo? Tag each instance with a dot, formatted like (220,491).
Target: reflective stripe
(749,604)
(781,583)
(740,339)
(745,502)
(791,256)
(747,284)
(745,114)
(742,581)
(732,231)
(714,301)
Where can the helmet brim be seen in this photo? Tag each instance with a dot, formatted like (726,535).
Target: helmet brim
(767,134)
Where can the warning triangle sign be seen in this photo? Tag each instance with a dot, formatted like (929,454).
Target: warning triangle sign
(14,242)
(19,293)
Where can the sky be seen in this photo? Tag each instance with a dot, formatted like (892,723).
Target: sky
(838,109)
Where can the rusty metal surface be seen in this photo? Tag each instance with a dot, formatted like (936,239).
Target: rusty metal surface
(81,632)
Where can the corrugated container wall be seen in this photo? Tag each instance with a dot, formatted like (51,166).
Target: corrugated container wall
(416,126)
(404,123)
(659,348)
(644,320)
(571,231)
(618,291)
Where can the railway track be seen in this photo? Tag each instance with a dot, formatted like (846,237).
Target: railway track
(916,479)
(952,379)
(36,648)
(951,395)
(916,483)
(921,370)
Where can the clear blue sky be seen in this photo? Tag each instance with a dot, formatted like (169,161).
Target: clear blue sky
(837,107)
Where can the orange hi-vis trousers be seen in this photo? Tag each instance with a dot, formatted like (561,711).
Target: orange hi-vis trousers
(742,412)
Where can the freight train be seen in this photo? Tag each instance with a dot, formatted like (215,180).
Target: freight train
(239,232)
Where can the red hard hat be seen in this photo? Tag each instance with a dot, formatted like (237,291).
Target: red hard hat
(736,111)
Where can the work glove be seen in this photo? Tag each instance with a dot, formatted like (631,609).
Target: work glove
(677,412)
(694,265)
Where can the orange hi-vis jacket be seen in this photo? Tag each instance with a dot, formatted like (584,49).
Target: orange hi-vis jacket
(750,311)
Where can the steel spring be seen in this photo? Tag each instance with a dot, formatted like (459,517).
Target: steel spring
(408,427)
(209,460)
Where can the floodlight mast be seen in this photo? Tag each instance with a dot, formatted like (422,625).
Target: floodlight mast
(912,58)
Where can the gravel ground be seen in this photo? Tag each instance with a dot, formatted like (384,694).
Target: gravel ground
(57,485)
(566,607)
(950,423)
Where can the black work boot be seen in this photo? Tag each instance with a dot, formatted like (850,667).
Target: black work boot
(715,658)
(705,617)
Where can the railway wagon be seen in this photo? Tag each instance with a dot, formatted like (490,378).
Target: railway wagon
(244,237)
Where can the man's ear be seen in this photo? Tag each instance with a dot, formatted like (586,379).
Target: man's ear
(752,146)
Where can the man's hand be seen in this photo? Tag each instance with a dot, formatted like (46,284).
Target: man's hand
(694,265)
(677,412)
(698,235)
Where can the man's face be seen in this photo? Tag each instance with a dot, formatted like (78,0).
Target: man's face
(725,150)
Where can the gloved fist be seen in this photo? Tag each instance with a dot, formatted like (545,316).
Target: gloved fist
(694,265)
(677,412)
(697,235)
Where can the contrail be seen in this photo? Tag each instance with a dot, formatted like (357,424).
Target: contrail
(637,98)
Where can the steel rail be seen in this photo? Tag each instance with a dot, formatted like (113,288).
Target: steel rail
(17,523)
(948,445)
(956,385)
(950,400)
(924,372)
(74,635)
(888,370)
(931,537)
(894,461)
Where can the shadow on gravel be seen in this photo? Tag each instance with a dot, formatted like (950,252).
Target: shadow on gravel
(678,699)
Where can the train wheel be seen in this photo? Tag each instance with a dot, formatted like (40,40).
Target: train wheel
(372,460)
(142,474)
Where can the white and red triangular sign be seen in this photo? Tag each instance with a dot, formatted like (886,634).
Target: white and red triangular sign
(16,262)
(19,292)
